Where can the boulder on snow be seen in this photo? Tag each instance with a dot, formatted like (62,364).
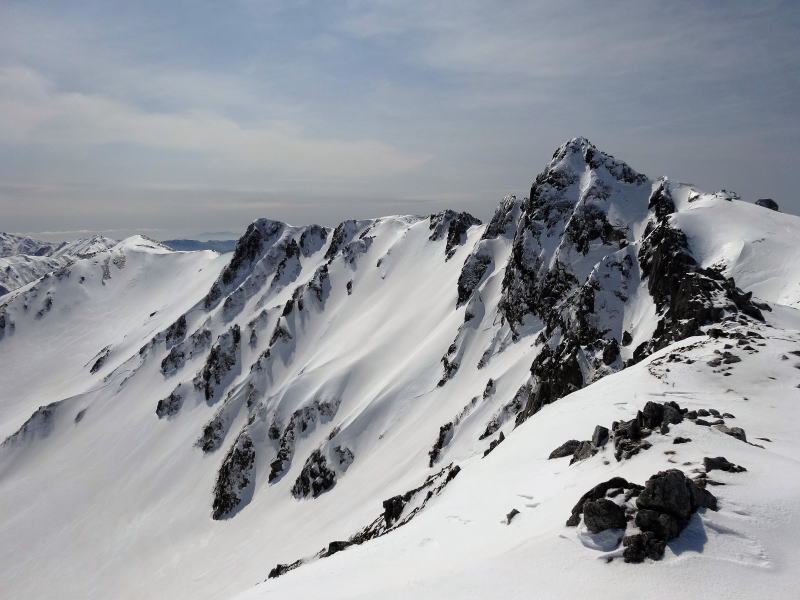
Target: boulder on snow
(583,451)
(336,546)
(672,493)
(600,491)
(565,449)
(602,514)
(600,436)
(736,432)
(721,463)
(510,516)
(641,546)
(767,203)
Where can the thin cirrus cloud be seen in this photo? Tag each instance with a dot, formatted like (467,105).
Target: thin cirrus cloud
(160,115)
(33,112)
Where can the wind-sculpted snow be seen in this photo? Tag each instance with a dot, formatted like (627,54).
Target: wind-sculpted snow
(265,404)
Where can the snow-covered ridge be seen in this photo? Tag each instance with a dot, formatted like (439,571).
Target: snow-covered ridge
(24,259)
(286,409)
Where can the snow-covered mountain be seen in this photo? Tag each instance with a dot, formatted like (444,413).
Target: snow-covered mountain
(24,259)
(426,406)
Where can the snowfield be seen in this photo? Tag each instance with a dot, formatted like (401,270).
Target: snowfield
(374,401)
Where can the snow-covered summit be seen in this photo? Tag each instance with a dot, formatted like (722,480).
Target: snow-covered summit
(12,244)
(24,259)
(385,396)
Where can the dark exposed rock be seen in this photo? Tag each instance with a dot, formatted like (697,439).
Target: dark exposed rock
(302,420)
(170,405)
(768,203)
(221,360)
(313,239)
(39,425)
(672,493)
(494,444)
(234,478)
(651,415)
(672,414)
(175,332)
(450,369)
(600,436)
(504,217)
(507,410)
(736,432)
(249,247)
(392,509)
(663,510)
(280,569)
(342,235)
(173,361)
(681,440)
(475,267)
(566,449)
(453,226)
(582,452)
(686,296)
(336,546)
(628,439)
(602,514)
(664,525)
(397,511)
(557,373)
(722,464)
(315,478)
(101,359)
(510,516)
(641,546)
(599,491)
(445,435)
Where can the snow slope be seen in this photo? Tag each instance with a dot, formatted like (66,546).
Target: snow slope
(198,419)
(462,547)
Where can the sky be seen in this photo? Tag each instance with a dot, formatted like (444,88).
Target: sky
(180,118)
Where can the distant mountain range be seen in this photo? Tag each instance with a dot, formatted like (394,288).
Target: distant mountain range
(24,259)
(221,246)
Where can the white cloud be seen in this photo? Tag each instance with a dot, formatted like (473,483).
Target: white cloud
(32,111)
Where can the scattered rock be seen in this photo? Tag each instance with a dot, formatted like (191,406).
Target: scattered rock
(335,547)
(736,432)
(583,451)
(494,444)
(681,440)
(722,464)
(600,436)
(510,516)
(599,491)
(565,449)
